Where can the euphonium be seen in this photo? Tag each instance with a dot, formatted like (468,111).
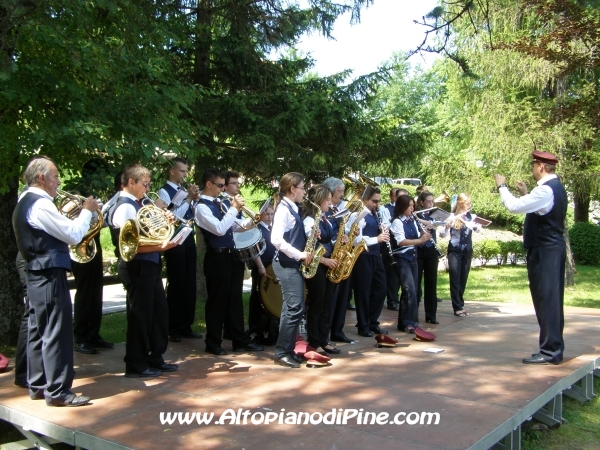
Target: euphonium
(151,226)
(70,206)
(312,246)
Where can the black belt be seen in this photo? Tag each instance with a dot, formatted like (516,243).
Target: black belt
(222,250)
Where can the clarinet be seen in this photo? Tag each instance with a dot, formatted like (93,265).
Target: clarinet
(422,230)
(389,246)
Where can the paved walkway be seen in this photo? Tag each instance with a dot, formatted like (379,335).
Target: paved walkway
(114,296)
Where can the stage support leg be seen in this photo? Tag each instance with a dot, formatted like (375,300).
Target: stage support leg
(511,441)
(36,440)
(583,390)
(551,413)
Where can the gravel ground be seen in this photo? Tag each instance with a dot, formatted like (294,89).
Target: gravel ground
(498,235)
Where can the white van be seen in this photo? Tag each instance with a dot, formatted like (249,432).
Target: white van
(408,181)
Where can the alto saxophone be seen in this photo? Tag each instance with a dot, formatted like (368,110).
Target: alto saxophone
(313,248)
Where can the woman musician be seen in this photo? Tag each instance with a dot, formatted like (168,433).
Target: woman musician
(319,288)
(406,238)
(289,239)
(460,225)
(427,261)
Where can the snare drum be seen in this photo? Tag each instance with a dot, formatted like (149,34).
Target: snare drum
(271,297)
(249,244)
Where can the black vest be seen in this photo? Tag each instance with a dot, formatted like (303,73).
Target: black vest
(40,250)
(371,229)
(189,214)
(410,232)
(269,254)
(212,240)
(296,238)
(547,230)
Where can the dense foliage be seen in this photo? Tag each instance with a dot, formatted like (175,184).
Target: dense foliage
(585,243)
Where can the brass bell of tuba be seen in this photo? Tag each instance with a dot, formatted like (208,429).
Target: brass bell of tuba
(70,205)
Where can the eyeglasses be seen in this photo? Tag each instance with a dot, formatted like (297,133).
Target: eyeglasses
(219,185)
(235,183)
(300,187)
(146,185)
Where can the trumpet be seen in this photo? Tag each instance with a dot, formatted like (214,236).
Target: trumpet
(151,226)
(70,205)
(224,208)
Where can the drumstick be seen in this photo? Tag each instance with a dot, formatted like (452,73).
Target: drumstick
(274,279)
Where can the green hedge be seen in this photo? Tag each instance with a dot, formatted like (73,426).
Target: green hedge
(585,243)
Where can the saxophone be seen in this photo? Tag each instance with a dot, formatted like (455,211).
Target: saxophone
(313,248)
(347,254)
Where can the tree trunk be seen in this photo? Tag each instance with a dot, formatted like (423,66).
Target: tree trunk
(201,77)
(11,292)
(582,206)
(570,269)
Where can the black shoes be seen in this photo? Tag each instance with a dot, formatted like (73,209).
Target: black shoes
(166,367)
(250,347)
(433,321)
(175,338)
(393,307)
(342,338)
(332,350)
(71,400)
(287,361)
(192,335)
(216,350)
(84,348)
(365,333)
(101,343)
(22,384)
(378,331)
(350,307)
(539,359)
(150,372)
(36,394)
(297,358)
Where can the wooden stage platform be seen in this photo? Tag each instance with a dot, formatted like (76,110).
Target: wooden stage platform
(478,386)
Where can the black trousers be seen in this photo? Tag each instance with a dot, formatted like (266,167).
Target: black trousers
(148,317)
(393,282)
(368,281)
(224,274)
(338,308)
(21,352)
(318,305)
(181,286)
(428,261)
(546,273)
(88,298)
(459,264)
(407,272)
(50,334)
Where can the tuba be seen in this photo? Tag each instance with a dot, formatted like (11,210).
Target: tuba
(151,226)
(70,206)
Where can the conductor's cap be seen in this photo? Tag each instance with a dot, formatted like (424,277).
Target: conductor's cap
(544,157)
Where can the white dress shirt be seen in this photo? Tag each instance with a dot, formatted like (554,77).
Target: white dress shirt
(397,229)
(125,211)
(181,209)
(540,200)
(369,240)
(44,216)
(283,221)
(205,219)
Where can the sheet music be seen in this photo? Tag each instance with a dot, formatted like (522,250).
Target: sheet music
(179,197)
(482,221)
(181,235)
(439,215)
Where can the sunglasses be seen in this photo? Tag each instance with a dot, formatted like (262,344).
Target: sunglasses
(219,185)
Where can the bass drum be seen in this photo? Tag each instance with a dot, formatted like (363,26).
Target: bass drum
(271,297)
(249,244)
